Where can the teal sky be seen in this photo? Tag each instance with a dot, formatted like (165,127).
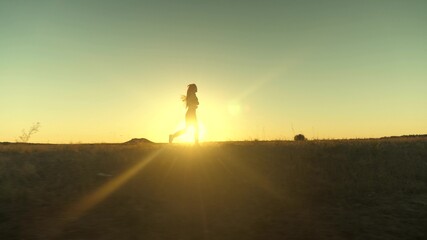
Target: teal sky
(108,71)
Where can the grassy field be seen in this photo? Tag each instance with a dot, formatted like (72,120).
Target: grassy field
(343,189)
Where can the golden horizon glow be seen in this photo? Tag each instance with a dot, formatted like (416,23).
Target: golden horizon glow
(109,72)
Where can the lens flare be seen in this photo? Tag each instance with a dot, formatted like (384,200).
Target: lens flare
(234,109)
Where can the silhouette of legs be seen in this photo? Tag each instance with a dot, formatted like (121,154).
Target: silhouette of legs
(182,131)
(196,134)
(177,134)
(190,120)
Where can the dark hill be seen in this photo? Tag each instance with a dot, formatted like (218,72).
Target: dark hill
(138,141)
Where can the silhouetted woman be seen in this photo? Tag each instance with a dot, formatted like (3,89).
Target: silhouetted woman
(190,117)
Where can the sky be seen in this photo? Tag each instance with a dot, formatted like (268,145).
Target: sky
(94,71)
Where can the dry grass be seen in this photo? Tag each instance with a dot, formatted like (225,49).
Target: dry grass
(348,189)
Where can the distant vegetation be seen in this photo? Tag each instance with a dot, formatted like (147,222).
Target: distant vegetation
(300,137)
(26,135)
(408,136)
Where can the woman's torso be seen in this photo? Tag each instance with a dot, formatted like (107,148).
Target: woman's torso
(192,102)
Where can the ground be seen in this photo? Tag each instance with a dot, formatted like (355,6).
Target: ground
(343,189)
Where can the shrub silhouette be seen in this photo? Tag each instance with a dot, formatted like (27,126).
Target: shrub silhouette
(26,135)
(300,137)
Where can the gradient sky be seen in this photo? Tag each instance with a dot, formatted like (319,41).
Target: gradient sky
(109,71)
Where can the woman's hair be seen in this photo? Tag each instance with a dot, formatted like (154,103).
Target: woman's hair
(191,90)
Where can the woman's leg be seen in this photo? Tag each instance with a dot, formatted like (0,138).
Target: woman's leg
(196,133)
(177,134)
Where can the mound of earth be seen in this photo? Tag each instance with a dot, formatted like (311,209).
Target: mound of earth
(138,141)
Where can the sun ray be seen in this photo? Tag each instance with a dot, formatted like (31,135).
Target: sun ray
(170,168)
(86,203)
(93,199)
(204,217)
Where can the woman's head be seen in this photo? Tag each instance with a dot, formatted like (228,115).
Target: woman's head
(191,95)
(192,89)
